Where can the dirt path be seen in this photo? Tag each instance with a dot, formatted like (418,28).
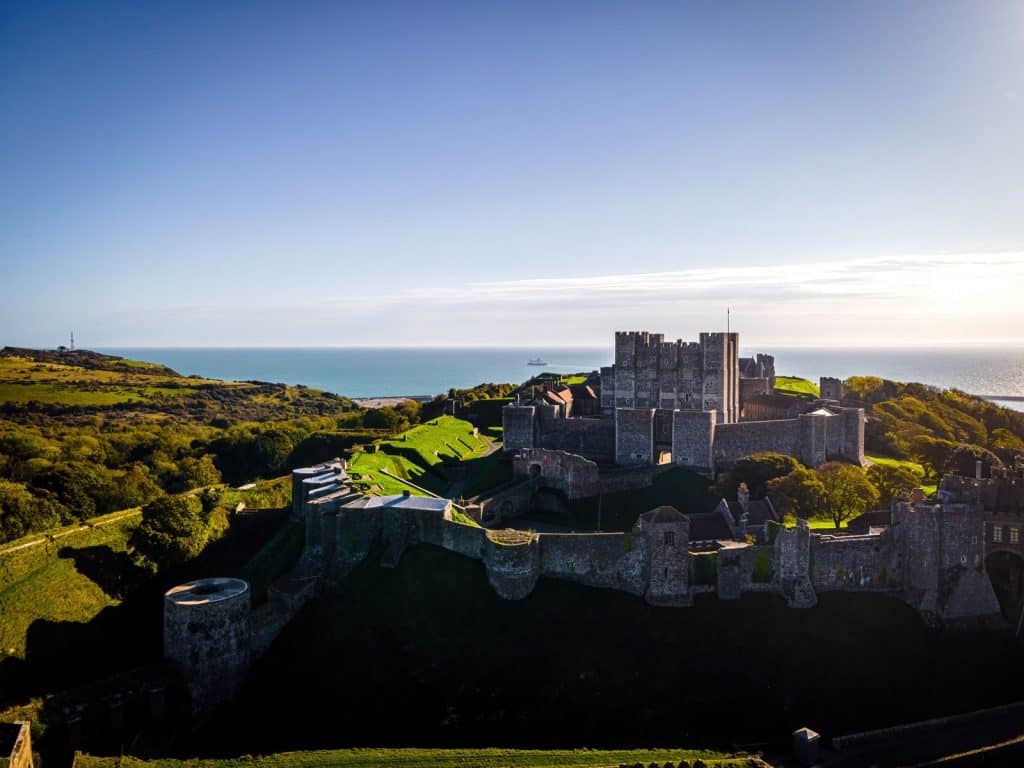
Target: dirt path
(117,517)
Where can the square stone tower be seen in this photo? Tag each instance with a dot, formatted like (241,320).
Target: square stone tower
(650,372)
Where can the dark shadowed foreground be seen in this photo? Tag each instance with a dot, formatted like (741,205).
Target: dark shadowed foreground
(428,655)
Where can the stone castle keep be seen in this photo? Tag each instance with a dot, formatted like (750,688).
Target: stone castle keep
(682,403)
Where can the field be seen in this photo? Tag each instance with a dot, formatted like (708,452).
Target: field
(913,466)
(795,386)
(433,758)
(23,380)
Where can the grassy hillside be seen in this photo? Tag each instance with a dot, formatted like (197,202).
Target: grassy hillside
(83,434)
(439,456)
(72,574)
(435,758)
(796,387)
(43,582)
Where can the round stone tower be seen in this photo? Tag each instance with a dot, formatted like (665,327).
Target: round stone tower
(207,636)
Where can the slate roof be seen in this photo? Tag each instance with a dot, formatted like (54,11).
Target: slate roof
(663,514)
(709,525)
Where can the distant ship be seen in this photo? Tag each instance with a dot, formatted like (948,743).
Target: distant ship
(537,361)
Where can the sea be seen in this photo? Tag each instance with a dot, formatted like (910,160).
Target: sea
(362,372)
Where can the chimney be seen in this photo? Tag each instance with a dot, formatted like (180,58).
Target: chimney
(917,496)
(977,469)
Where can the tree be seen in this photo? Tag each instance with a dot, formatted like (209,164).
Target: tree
(136,488)
(962,461)
(798,494)
(848,492)
(892,482)
(198,473)
(933,453)
(173,529)
(756,470)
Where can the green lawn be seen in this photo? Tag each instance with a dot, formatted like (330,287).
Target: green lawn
(928,487)
(433,758)
(795,386)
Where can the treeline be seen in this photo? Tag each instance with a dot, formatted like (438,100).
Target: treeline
(56,473)
(928,425)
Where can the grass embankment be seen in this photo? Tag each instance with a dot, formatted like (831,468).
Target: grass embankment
(434,758)
(796,387)
(419,455)
(912,466)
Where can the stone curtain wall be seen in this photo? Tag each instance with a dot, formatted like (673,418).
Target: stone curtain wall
(609,560)
(855,563)
(813,438)
(744,438)
(591,438)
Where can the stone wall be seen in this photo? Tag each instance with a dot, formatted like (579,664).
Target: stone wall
(610,560)
(693,439)
(792,564)
(733,441)
(855,562)
(207,636)
(943,549)
(752,387)
(812,437)
(518,429)
(512,567)
(591,438)
(569,473)
(830,388)
(634,436)
(667,537)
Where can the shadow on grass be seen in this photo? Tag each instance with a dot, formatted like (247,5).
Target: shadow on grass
(113,572)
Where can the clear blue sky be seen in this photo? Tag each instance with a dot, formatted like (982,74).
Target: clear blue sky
(406,173)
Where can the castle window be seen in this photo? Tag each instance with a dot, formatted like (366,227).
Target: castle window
(1014,535)
(670,538)
(997,533)
(666,574)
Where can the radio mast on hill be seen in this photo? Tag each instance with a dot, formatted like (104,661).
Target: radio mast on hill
(72,341)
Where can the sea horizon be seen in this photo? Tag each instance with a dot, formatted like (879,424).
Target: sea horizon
(417,371)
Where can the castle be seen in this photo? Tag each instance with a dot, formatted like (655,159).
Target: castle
(957,559)
(936,557)
(682,403)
